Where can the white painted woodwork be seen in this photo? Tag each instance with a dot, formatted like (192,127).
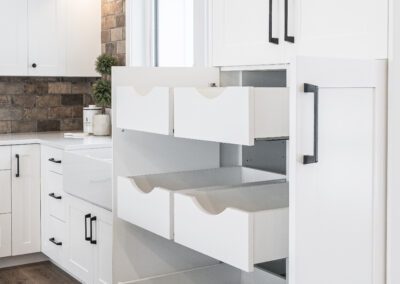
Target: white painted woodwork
(241,226)
(50,154)
(338,216)
(26,200)
(5,158)
(103,250)
(54,228)
(145,110)
(339,29)
(54,185)
(147,201)
(236,115)
(5,235)
(14,36)
(83,33)
(5,192)
(46,37)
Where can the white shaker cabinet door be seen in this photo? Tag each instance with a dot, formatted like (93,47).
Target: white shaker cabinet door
(46,21)
(25,199)
(14,37)
(5,192)
(103,248)
(5,235)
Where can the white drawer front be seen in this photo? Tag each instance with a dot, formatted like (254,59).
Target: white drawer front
(145,110)
(5,235)
(5,157)
(55,196)
(5,191)
(54,239)
(53,159)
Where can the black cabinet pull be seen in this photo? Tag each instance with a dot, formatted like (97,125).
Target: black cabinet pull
(287,37)
(17,174)
(87,238)
(53,240)
(34,65)
(55,196)
(272,39)
(55,161)
(92,241)
(307,159)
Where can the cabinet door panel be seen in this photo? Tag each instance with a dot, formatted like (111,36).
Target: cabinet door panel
(5,192)
(46,20)
(5,235)
(26,199)
(103,271)
(14,37)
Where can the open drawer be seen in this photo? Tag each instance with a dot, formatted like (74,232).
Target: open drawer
(147,201)
(149,110)
(236,115)
(241,226)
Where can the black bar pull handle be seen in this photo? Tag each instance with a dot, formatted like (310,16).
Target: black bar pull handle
(17,174)
(307,159)
(287,37)
(53,195)
(92,241)
(55,161)
(87,238)
(272,39)
(53,240)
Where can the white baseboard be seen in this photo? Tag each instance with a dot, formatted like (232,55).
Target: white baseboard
(22,260)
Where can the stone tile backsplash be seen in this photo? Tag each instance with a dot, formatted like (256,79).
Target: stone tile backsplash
(36,104)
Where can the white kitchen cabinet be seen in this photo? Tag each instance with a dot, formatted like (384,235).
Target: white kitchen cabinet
(49,37)
(5,191)
(350,29)
(89,235)
(5,235)
(25,199)
(13,31)
(54,239)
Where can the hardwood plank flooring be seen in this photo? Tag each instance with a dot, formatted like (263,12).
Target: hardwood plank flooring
(39,273)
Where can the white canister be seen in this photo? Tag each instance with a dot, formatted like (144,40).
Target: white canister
(88,114)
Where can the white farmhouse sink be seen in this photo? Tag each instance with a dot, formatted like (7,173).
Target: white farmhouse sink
(87,175)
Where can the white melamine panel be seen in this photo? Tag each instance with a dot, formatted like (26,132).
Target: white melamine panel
(149,110)
(26,199)
(5,158)
(234,115)
(147,201)
(55,196)
(52,158)
(5,235)
(46,26)
(103,250)
(54,239)
(5,192)
(240,226)
(14,36)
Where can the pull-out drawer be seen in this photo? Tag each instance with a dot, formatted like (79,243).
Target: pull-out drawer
(5,191)
(5,235)
(236,115)
(54,239)
(55,195)
(241,226)
(147,201)
(5,157)
(145,110)
(53,159)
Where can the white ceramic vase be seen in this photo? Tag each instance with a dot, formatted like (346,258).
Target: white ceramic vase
(101,125)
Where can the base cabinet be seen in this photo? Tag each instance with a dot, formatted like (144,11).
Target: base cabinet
(5,235)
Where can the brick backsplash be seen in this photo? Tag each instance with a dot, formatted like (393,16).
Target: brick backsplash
(36,104)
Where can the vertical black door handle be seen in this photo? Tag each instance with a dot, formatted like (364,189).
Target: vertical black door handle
(92,241)
(17,157)
(307,159)
(272,39)
(287,37)
(87,238)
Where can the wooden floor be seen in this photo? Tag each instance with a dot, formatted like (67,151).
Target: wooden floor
(40,273)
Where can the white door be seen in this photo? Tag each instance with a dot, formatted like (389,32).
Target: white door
(342,28)
(248,32)
(14,37)
(337,202)
(103,255)
(5,191)
(25,199)
(80,251)
(46,22)
(5,235)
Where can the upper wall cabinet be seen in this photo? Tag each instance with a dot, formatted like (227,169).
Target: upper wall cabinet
(49,37)
(255,32)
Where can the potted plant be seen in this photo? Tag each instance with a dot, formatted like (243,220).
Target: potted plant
(102,95)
